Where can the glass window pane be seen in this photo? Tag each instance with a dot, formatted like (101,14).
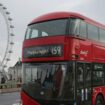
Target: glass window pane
(28,75)
(48,28)
(27,33)
(98,74)
(80,80)
(102,35)
(74,26)
(44,34)
(69,82)
(87,75)
(92,32)
(34,74)
(50,77)
(34,33)
(83,29)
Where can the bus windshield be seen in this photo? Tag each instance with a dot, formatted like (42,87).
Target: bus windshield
(48,28)
(48,81)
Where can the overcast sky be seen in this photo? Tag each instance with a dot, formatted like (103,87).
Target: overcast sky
(24,11)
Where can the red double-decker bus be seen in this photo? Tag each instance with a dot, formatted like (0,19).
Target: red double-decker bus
(64,61)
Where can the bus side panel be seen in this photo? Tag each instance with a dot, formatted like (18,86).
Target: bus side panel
(82,48)
(98,53)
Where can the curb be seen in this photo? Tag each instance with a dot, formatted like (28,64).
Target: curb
(10,90)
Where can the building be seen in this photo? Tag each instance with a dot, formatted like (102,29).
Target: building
(2,78)
(11,73)
(15,72)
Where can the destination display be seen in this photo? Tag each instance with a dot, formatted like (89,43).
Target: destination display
(43,51)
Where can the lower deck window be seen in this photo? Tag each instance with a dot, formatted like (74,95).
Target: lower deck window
(98,74)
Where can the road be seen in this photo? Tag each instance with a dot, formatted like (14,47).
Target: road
(10,98)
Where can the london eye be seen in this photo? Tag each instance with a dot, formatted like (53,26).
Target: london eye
(6,37)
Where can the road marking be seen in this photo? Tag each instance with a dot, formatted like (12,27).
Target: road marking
(16,104)
(18,100)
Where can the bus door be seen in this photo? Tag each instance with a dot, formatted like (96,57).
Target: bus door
(83,83)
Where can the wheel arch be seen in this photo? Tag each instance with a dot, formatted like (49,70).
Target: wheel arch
(99,94)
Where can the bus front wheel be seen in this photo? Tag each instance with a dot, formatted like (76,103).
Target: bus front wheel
(99,100)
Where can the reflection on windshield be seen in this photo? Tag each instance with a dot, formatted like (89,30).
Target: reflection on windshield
(47,76)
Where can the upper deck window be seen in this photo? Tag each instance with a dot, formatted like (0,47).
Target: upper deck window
(83,27)
(78,27)
(74,26)
(92,32)
(102,35)
(48,28)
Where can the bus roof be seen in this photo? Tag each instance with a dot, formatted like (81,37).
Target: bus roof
(61,15)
